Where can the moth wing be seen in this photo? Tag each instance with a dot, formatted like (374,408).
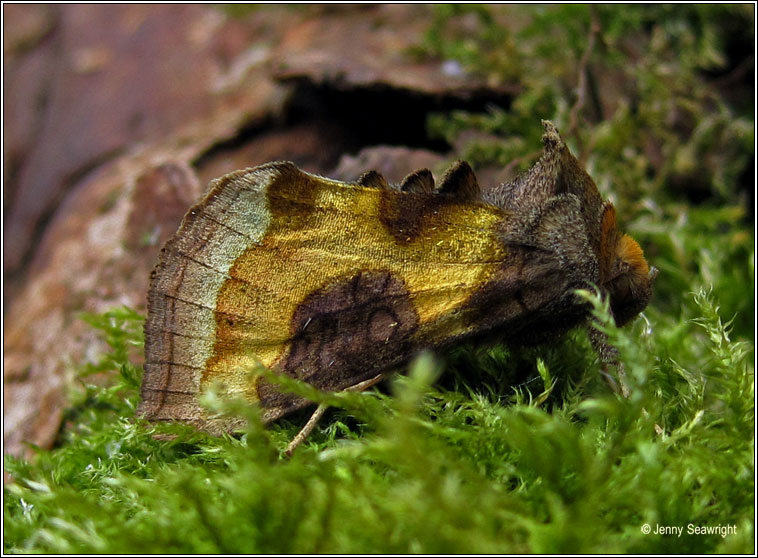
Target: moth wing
(180,330)
(384,273)
(324,281)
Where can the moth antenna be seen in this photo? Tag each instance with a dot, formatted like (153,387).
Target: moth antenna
(609,361)
(373,179)
(418,182)
(459,181)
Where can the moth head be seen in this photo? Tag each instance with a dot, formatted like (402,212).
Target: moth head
(630,280)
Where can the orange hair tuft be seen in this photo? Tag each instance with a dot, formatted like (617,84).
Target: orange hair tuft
(629,251)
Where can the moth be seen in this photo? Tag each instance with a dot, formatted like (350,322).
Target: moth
(340,283)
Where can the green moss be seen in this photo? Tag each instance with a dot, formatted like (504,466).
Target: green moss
(651,97)
(423,469)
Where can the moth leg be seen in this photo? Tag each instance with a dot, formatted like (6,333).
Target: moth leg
(301,436)
(609,360)
(306,430)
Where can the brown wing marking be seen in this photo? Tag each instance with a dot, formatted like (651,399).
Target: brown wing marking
(373,179)
(345,333)
(459,181)
(418,182)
